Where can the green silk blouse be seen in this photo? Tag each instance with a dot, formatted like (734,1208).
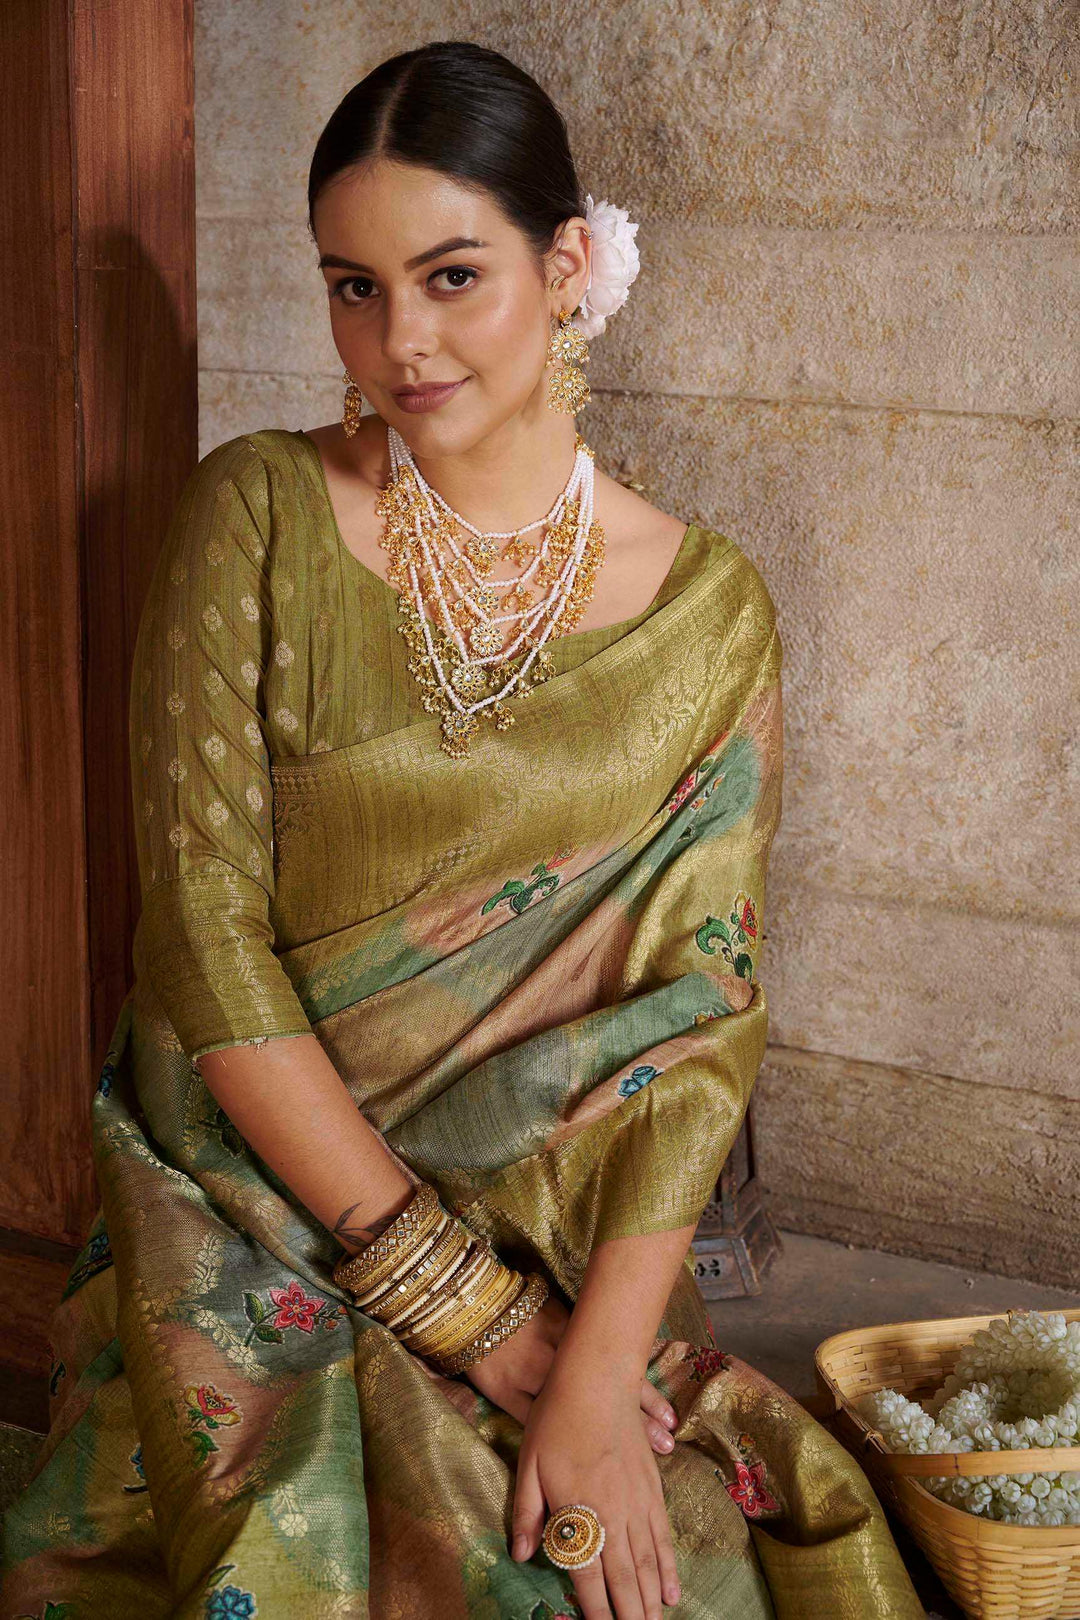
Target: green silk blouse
(263,638)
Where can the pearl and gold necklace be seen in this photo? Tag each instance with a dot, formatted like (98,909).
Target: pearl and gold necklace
(458,658)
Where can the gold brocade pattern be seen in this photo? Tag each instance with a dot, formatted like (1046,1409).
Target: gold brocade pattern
(536,969)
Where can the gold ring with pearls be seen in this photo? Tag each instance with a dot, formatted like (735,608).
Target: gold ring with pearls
(573,1536)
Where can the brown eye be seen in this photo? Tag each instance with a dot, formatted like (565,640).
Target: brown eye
(458,270)
(354,281)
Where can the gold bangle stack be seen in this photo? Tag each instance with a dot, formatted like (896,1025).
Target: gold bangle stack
(441,1290)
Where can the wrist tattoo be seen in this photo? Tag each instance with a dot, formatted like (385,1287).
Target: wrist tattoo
(349,1231)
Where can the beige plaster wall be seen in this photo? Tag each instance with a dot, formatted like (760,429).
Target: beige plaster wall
(853,348)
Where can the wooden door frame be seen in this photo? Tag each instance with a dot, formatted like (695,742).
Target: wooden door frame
(99,432)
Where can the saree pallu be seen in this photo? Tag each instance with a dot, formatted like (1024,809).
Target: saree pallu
(535,969)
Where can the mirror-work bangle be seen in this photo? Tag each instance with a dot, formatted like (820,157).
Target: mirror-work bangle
(412,1274)
(525,1306)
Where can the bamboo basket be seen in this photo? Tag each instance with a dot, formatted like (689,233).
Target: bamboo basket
(994,1571)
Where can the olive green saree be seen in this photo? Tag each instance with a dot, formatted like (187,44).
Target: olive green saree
(535,968)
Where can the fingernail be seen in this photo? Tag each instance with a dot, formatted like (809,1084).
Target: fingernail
(671,1419)
(519,1546)
(671,1595)
(665,1442)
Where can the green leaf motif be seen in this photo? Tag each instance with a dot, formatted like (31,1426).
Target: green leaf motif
(254,1309)
(203,1446)
(218,1574)
(268,1335)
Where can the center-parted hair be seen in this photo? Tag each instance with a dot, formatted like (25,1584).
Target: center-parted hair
(467,112)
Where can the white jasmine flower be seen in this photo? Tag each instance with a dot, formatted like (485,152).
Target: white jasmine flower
(1015,1386)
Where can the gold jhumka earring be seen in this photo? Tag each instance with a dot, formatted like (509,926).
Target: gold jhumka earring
(354,400)
(567,351)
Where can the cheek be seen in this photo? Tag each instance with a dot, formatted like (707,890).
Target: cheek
(346,334)
(504,337)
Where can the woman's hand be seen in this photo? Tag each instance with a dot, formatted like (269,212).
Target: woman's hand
(581,1444)
(514,1374)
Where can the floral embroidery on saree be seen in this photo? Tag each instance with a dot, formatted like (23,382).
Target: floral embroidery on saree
(228,1602)
(521,895)
(706,1363)
(748,1487)
(95,1257)
(294,1308)
(207,1409)
(741,928)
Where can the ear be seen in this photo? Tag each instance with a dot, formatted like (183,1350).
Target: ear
(568,264)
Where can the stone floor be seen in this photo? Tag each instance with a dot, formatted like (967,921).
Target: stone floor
(814,1288)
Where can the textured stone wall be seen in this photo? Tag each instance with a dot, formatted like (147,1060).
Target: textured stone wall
(853,348)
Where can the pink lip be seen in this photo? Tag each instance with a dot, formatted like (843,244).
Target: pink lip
(428,399)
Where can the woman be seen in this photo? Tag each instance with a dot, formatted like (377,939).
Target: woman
(421,963)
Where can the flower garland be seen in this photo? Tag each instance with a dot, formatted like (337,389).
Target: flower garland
(1015,1385)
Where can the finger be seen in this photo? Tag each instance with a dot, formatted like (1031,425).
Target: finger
(529,1512)
(518,1405)
(646,1565)
(591,1590)
(620,1574)
(659,1437)
(654,1403)
(665,1555)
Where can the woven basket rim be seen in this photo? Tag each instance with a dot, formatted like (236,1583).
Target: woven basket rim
(977,1528)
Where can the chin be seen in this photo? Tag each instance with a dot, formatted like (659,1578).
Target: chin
(436,433)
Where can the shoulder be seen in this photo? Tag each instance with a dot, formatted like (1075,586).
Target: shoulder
(744,585)
(246,460)
(226,507)
(240,476)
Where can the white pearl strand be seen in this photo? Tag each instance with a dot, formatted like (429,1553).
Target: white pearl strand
(581,479)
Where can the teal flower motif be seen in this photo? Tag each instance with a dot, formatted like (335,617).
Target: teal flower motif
(637,1078)
(229,1603)
(96,1255)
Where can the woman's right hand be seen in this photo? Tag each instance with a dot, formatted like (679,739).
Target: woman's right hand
(514,1374)
(581,1444)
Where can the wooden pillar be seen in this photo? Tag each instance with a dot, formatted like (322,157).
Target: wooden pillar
(98,431)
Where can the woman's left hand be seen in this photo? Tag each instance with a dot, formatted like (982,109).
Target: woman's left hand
(513,1375)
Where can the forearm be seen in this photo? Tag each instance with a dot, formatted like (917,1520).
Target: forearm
(288,1101)
(620,1304)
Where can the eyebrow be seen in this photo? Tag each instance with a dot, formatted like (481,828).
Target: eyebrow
(333,261)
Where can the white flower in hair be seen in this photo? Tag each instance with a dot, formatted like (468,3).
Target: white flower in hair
(615,263)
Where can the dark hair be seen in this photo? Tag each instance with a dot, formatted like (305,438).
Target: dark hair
(469,113)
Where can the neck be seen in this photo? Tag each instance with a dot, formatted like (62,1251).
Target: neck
(512,477)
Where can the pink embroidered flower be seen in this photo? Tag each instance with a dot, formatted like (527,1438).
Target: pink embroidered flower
(706,1362)
(294,1308)
(684,789)
(749,1490)
(212,1404)
(561,856)
(747,915)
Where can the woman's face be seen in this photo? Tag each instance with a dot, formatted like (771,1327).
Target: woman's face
(479,311)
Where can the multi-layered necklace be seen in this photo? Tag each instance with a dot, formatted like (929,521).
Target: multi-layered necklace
(450,607)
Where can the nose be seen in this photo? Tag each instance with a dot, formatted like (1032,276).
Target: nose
(408,333)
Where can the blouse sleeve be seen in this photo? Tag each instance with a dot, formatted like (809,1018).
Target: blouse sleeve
(200,767)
